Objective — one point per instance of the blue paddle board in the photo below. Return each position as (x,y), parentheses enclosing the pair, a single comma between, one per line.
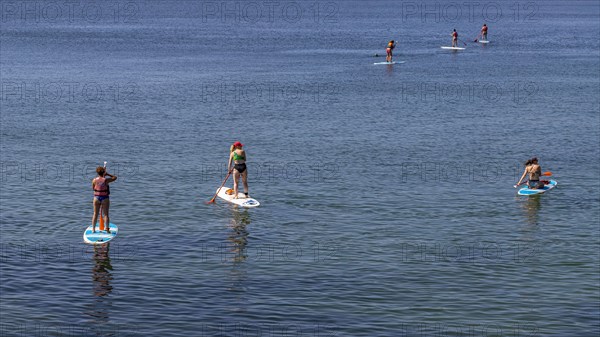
(100,236)
(530,191)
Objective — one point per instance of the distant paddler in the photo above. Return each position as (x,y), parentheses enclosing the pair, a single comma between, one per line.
(484,31)
(482,34)
(389,50)
(454,38)
(237,156)
(101,196)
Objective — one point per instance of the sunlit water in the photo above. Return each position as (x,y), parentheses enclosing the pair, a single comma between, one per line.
(387,200)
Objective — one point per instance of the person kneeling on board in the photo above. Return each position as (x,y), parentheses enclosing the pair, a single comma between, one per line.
(238,157)
(535,171)
(101,194)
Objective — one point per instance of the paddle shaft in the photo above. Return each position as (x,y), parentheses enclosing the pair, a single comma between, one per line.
(223,184)
(101,227)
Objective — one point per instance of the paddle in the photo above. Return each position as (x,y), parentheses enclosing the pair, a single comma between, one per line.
(101,227)
(462,42)
(545,174)
(477,38)
(223,184)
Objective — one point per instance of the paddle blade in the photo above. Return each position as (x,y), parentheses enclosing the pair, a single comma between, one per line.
(101,222)
(547,173)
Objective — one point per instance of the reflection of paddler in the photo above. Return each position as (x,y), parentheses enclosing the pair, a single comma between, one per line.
(532,207)
(101,303)
(239,235)
(101,271)
(237,255)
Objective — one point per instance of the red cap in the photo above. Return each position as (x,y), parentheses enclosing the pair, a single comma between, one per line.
(236,144)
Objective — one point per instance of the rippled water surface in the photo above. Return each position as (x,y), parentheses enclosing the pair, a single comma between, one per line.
(387,199)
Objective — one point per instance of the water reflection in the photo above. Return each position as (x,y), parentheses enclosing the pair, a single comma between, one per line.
(238,235)
(237,247)
(531,207)
(99,310)
(389,69)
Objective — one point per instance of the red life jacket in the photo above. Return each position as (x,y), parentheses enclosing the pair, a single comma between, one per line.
(455,34)
(101,188)
(484,28)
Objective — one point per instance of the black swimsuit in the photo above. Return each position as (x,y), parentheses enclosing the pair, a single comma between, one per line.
(240,167)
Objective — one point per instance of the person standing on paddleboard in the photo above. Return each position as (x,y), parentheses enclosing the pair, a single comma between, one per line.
(534,170)
(238,157)
(390,47)
(101,193)
(484,30)
(454,39)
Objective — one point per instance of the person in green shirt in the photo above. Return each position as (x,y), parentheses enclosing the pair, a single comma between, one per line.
(237,156)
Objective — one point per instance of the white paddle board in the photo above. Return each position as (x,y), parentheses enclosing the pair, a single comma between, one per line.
(394,62)
(100,236)
(453,48)
(529,191)
(226,194)
(484,41)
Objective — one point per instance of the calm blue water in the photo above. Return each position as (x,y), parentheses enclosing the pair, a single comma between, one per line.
(386,191)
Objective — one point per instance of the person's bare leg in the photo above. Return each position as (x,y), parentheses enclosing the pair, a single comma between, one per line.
(236,177)
(96,205)
(105,206)
(245,182)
